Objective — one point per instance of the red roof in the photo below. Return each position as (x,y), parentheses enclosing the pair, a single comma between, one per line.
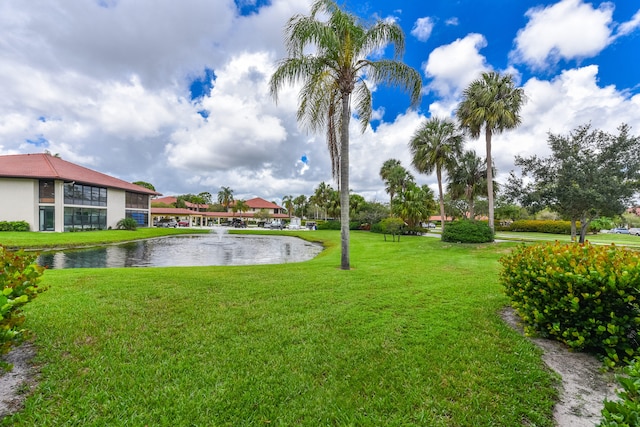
(171,200)
(46,166)
(259,203)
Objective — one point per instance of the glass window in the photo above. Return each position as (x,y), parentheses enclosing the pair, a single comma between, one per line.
(47,191)
(137,200)
(85,219)
(141,217)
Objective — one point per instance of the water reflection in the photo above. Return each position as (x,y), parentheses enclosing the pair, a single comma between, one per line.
(196,250)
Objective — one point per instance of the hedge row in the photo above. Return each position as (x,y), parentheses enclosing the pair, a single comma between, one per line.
(14,226)
(583,295)
(544,226)
(19,277)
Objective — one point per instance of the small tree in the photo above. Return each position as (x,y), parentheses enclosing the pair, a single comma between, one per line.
(393,226)
(589,174)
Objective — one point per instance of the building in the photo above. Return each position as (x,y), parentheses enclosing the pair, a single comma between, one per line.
(198,215)
(52,194)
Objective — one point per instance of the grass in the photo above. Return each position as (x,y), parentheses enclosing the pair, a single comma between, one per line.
(26,240)
(411,336)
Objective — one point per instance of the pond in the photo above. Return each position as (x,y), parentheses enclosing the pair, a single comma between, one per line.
(186,251)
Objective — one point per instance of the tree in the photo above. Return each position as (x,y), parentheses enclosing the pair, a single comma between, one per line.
(145,185)
(491,103)
(414,205)
(468,180)
(589,174)
(333,76)
(436,145)
(396,178)
(287,201)
(321,196)
(240,206)
(206,197)
(300,205)
(356,204)
(225,197)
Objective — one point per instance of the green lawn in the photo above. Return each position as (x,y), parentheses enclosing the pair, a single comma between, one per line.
(410,336)
(33,240)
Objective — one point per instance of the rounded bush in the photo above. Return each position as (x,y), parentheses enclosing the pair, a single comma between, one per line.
(127,224)
(467,231)
(583,295)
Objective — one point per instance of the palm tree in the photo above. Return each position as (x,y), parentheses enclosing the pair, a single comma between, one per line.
(300,204)
(287,201)
(492,102)
(468,179)
(435,145)
(334,75)
(240,206)
(414,205)
(225,197)
(395,177)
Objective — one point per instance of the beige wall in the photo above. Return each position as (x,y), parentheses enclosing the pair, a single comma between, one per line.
(19,201)
(115,206)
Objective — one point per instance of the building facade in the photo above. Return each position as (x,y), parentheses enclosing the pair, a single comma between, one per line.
(52,194)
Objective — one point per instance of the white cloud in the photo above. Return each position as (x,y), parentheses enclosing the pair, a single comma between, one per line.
(560,105)
(569,29)
(453,66)
(422,28)
(629,26)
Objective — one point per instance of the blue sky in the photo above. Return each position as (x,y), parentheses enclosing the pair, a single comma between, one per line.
(176,93)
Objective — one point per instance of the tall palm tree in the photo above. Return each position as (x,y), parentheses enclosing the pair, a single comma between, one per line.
(436,144)
(334,75)
(287,201)
(225,197)
(492,102)
(396,178)
(468,179)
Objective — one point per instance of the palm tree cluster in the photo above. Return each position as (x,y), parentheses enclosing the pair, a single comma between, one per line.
(330,53)
(492,103)
(407,200)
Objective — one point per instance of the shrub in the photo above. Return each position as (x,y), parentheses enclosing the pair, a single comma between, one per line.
(583,295)
(19,277)
(467,231)
(545,226)
(127,224)
(328,225)
(393,226)
(626,411)
(14,226)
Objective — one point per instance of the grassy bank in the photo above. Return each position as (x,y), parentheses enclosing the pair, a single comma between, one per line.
(26,240)
(411,336)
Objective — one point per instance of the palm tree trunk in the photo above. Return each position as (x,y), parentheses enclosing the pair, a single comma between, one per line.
(440,197)
(344,183)
(490,179)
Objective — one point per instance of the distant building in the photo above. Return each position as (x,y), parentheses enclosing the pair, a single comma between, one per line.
(198,215)
(52,194)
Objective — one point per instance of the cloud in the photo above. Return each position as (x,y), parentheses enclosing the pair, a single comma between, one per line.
(560,105)
(569,29)
(422,28)
(629,26)
(453,66)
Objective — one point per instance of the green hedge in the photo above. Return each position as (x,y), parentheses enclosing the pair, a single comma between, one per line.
(19,277)
(544,226)
(14,226)
(335,225)
(583,295)
(624,412)
(466,231)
